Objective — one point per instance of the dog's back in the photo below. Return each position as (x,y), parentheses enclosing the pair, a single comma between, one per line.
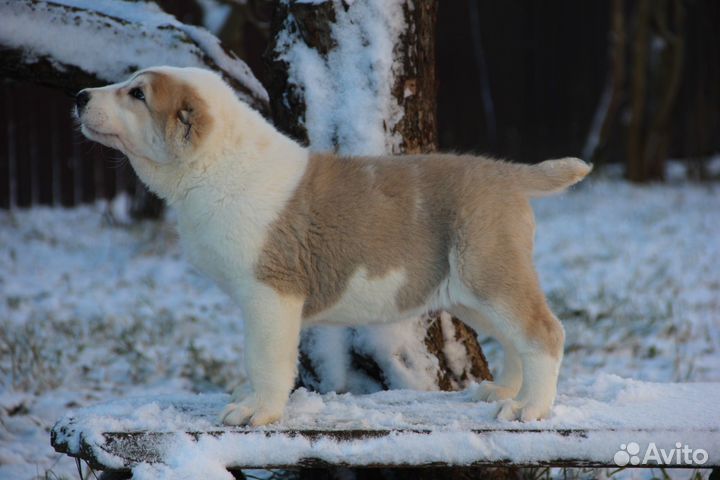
(390,227)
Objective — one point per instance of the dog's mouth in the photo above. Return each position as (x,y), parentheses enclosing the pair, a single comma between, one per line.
(96,134)
(111,140)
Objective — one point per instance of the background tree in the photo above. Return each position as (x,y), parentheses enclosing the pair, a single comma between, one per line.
(647,57)
(359,79)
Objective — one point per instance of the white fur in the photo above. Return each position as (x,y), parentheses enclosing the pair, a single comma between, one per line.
(367,300)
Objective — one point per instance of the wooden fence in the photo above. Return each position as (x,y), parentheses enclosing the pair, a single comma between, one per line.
(44,160)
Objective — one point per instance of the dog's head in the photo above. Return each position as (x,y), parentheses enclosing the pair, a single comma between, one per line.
(160,117)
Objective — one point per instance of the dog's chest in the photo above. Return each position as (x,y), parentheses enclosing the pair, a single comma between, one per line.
(220,245)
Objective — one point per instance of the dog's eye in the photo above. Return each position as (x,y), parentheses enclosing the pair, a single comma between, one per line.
(137,93)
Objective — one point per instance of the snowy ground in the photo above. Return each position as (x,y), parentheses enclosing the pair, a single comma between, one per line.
(92,310)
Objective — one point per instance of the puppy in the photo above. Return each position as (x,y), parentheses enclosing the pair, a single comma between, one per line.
(299,239)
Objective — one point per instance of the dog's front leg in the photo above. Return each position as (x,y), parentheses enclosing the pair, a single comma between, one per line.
(272,331)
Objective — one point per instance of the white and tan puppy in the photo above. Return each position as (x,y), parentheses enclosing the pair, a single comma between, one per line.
(300,239)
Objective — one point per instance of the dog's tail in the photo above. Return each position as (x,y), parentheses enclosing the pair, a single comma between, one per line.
(552,176)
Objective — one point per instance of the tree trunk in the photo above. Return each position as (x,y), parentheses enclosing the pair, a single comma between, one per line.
(636,131)
(646,76)
(352,79)
(655,85)
(669,23)
(613,97)
(332,69)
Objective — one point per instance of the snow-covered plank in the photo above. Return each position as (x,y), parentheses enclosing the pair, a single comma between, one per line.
(591,423)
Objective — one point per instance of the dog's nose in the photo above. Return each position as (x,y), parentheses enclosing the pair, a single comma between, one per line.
(81,99)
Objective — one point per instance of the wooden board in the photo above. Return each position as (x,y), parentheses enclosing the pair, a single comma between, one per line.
(397,429)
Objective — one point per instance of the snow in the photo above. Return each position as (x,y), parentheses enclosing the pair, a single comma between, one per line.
(91,38)
(453,350)
(604,401)
(331,360)
(603,411)
(641,267)
(92,310)
(349,104)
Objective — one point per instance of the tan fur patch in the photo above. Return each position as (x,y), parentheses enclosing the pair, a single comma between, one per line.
(379,214)
(178,109)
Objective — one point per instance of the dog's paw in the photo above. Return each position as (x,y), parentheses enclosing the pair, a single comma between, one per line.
(525,411)
(248,412)
(492,392)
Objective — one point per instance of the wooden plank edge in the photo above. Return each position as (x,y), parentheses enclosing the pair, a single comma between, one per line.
(116,440)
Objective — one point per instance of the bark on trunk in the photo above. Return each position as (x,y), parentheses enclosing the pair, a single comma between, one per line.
(636,130)
(669,22)
(415,88)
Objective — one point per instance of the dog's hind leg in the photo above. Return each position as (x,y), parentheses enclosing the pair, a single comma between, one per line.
(532,341)
(495,268)
(539,345)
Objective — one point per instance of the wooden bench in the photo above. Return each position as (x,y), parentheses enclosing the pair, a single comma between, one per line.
(403,429)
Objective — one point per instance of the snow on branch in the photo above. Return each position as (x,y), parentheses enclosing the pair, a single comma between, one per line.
(71,44)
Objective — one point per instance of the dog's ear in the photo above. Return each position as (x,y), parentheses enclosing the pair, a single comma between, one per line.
(185,117)
(180,112)
(192,117)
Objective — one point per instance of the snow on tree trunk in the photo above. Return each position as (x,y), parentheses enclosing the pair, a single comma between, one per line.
(73,44)
(358,78)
